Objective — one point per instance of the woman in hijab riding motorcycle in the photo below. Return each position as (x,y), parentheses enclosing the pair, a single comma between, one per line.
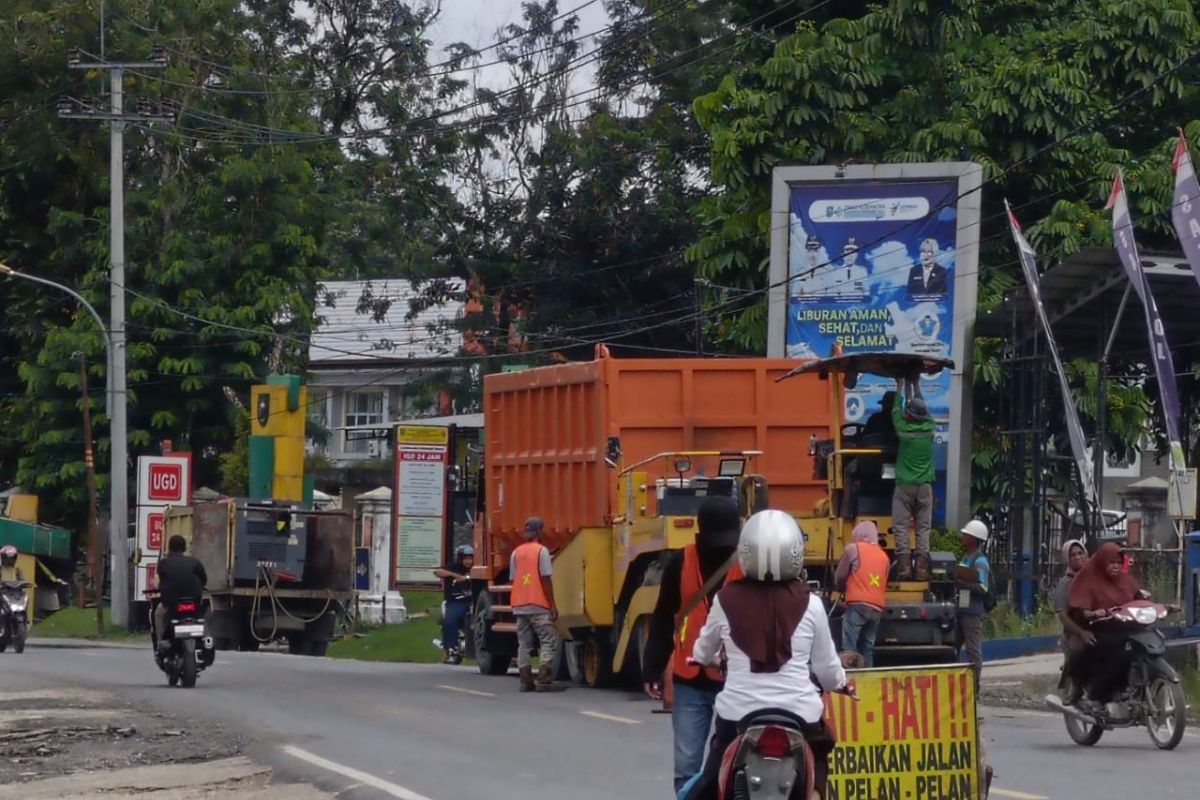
(775,638)
(1098,587)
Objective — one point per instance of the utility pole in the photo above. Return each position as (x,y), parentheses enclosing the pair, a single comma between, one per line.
(116,116)
(95,551)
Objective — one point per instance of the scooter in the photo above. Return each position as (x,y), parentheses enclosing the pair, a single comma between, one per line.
(184,651)
(14,616)
(1152,697)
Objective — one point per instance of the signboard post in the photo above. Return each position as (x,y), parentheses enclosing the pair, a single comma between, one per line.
(914,733)
(162,481)
(883,258)
(419,503)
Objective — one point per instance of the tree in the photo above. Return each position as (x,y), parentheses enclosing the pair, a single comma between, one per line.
(1049,97)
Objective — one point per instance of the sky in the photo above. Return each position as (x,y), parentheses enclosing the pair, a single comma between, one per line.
(476,21)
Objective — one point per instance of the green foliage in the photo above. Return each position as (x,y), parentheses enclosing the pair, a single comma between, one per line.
(946,540)
(1003,622)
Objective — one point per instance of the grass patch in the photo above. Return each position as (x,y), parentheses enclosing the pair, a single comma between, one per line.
(1003,622)
(80,623)
(1191,686)
(410,642)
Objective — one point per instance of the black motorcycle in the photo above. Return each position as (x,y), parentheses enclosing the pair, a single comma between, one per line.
(14,615)
(185,649)
(1152,697)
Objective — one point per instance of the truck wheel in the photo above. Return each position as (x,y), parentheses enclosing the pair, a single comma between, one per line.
(298,644)
(318,647)
(597,662)
(490,662)
(573,658)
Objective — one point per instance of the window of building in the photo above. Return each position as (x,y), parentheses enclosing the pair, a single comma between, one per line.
(362,409)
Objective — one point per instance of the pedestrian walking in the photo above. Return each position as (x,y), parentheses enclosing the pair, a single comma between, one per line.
(691,578)
(912,500)
(861,576)
(535,610)
(973,579)
(456,596)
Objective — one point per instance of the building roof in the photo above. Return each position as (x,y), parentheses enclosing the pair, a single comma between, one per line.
(1151,484)
(1082,295)
(354,326)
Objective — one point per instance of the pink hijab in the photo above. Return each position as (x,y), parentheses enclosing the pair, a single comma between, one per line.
(865,532)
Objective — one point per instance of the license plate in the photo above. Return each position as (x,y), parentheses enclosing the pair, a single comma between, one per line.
(188,631)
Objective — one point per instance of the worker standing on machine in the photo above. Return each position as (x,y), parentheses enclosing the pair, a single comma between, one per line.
(912,501)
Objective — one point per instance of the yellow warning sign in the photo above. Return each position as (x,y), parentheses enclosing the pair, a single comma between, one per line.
(912,735)
(422,434)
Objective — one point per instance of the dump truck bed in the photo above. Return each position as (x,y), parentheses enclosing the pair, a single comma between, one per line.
(546,433)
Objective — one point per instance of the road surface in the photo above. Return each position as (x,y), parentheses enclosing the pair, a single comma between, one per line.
(421,732)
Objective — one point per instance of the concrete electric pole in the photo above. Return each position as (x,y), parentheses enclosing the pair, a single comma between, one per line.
(118,119)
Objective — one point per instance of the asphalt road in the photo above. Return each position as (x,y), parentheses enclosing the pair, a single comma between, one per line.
(439,733)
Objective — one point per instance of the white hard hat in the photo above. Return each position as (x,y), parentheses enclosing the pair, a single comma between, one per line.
(977,529)
(771,547)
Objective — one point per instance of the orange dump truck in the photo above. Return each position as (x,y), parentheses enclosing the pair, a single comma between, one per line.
(617,456)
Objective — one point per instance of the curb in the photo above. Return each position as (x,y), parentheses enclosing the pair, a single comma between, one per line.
(86,644)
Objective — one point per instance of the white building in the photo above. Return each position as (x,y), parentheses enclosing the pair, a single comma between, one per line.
(373,361)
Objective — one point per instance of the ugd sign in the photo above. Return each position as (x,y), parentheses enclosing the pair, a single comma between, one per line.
(163,481)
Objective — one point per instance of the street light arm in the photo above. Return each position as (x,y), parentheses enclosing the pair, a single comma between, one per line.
(7,270)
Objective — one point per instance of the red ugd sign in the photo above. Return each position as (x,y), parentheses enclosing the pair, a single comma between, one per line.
(163,480)
(166,482)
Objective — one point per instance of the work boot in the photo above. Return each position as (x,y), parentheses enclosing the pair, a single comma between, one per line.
(904,570)
(921,560)
(545,681)
(527,684)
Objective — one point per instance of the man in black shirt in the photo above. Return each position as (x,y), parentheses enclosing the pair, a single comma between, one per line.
(179,577)
(456,591)
(695,688)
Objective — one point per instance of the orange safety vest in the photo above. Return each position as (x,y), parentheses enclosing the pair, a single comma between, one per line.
(690,582)
(868,584)
(527,580)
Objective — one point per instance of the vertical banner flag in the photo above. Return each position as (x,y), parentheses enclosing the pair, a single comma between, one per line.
(1160,352)
(1185,210)
(1074,429)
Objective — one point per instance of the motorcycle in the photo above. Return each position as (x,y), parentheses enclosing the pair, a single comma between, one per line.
(14,615)
(769,758)
(1152,697)
(188,650)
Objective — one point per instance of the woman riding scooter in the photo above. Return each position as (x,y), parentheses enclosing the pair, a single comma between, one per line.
(1100,586)
(775,637)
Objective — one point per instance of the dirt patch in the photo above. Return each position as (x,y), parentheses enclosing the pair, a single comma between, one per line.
(48,733)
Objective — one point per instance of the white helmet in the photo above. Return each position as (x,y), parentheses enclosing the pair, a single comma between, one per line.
(771,547)
(977,529)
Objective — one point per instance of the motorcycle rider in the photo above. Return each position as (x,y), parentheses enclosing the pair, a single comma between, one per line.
(1100,586)
(456,591)
(776,638)
(179,576)
(669,641)
(1075,636)
(9,571)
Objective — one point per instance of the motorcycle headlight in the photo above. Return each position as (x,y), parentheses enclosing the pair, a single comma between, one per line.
(1145,615)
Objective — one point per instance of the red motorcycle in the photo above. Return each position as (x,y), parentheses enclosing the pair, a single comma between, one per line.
(1152,696)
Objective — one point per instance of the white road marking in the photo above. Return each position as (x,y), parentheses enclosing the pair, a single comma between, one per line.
(1017,795)
(611,718)
(364,778)
(475,692)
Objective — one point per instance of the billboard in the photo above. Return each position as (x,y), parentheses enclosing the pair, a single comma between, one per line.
(419,503)
(883,258)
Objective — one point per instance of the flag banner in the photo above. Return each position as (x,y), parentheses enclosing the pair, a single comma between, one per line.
(1185,210)
(1160,352)
(1079,448)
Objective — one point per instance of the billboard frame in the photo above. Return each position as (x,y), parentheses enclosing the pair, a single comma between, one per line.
(966,292)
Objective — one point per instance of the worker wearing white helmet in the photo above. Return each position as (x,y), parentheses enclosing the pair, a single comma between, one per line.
(973,580)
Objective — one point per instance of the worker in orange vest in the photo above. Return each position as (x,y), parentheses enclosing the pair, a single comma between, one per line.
(533,606)
(672,633)
(862,578)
